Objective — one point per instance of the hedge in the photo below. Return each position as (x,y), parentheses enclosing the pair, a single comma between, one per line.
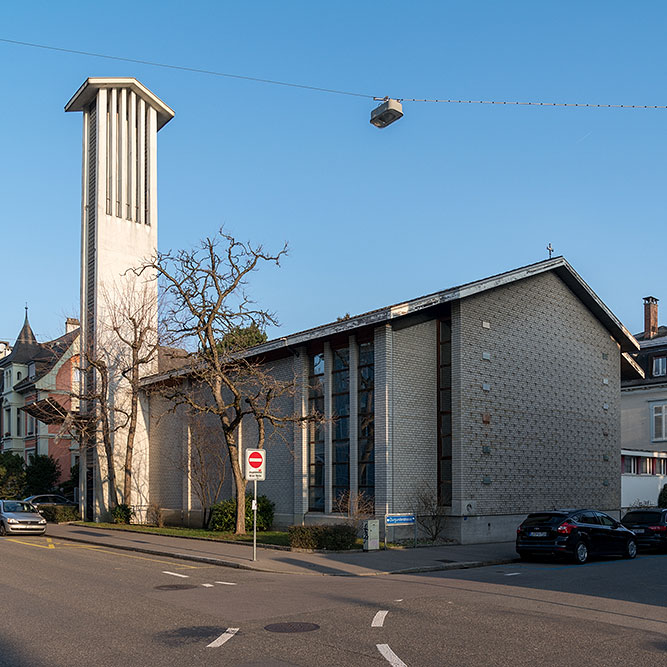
(223,515)
(334,537)
(59,514)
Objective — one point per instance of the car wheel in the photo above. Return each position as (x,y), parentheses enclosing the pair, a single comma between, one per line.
(580,553)
(3,530)
(630,549)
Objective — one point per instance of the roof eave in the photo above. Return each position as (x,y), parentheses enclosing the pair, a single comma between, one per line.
(86,94)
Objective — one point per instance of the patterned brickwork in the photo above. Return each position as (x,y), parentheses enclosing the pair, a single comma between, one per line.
(554,426)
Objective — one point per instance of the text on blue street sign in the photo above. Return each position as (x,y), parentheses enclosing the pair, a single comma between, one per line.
(400,519)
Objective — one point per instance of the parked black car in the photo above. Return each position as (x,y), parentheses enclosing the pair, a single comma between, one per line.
(577,534)
(649,525)
(50,500)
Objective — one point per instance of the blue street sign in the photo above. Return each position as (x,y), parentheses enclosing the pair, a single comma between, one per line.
(400,519)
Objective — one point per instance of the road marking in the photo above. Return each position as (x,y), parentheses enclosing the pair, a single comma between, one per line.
(224,637)
(32,544)
(176,574)
(50,543)
(512,574)
(399,600)
(207,585)
(390,656)
(378,620)
(226,583)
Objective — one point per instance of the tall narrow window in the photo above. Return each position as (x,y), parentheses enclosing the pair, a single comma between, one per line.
(445,412)
(340,397)
(659,366)
(366,435)
(316,435)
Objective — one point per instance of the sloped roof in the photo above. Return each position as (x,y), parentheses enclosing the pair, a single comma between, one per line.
(46,356)
(25,348)
(558,265)
(422,304)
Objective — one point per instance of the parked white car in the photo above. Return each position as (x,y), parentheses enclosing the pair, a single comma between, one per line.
(20,518)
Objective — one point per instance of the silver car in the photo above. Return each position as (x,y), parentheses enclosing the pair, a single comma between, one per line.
(20,518)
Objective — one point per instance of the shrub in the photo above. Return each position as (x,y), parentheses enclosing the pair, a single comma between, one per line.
(335,537)
(155,515)
(122,513)
(662,498)
(59,514)
(223,515)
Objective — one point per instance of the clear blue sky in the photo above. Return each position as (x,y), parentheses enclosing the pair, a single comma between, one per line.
(449,194)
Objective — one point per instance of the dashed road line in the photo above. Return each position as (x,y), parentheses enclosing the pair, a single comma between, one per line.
(378,619)
(512,574)
(224,637)
(176,574)
(390,656)
(226,583)
(399,600)
(207,585)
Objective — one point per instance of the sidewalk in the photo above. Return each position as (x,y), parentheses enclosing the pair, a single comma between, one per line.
(354,563)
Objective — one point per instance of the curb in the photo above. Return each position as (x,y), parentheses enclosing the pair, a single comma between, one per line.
(463,565)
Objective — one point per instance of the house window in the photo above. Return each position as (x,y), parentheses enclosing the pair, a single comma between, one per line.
(659,366)
(19,424)
(661,467)
(8,422)
(340,398)
(31,425)
(366,414)
(659,421)
(316,434)
(629,465)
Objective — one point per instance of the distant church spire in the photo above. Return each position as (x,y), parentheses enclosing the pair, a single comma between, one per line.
(26,336)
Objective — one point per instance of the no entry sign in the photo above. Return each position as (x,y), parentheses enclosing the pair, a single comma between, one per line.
(255,464)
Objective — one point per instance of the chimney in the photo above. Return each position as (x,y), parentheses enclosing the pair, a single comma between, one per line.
(650,317)
(71,323)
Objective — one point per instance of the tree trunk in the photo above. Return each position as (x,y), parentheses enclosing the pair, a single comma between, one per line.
(240,485)
(129,449)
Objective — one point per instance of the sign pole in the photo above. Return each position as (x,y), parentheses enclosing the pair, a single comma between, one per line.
(254,524)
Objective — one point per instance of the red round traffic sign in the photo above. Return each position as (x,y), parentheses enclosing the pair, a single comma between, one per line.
(255,460)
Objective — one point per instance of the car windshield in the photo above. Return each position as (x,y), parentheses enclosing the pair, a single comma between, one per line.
(647,518)
(544,519)
(17,506)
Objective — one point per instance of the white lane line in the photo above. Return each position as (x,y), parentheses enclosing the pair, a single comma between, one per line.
(513,574)
(207,585)
(399,600)
(226,583)
(175,574)
(378,620)
(390,656)
(224,637)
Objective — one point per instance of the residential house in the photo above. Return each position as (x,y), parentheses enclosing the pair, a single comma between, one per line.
(644,416)
(38,379)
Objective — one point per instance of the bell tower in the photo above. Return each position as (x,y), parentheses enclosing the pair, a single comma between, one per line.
(121,119)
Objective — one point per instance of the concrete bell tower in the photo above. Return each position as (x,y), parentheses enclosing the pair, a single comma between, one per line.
(121,119)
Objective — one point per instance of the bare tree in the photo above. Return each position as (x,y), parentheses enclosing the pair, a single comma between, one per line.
(132,334)
(125,349)
(206,306)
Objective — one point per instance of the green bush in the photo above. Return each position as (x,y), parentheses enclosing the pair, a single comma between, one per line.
(662,498)
(122,513)
(223,515)
(335,537)
(59,514)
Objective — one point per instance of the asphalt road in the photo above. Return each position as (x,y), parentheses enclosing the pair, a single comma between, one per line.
(68,604)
